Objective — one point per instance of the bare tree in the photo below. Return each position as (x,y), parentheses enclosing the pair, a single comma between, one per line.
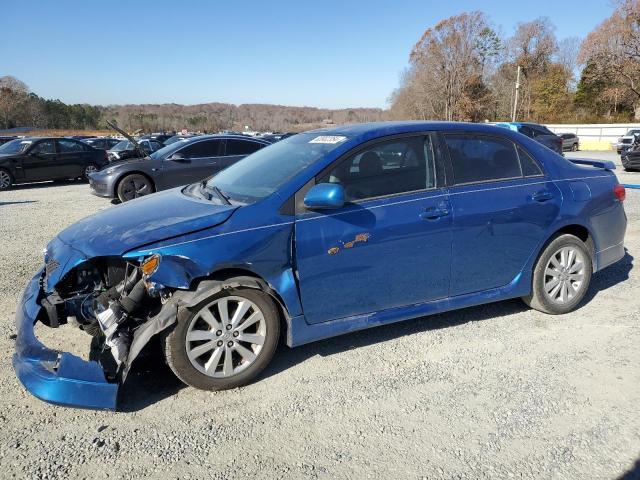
(612,50)
(12,93)
(443,63)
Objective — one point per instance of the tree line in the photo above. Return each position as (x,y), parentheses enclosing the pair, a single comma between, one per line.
(19,107)
(464,69)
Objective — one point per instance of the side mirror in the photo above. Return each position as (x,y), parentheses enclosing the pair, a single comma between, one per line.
(177,157)
(324,196)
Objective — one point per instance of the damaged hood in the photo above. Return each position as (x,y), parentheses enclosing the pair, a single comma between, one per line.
(148,219)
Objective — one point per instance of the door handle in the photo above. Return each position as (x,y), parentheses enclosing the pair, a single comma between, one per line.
(434,213)
(542,196)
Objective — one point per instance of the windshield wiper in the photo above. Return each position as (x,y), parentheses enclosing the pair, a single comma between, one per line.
(217,191)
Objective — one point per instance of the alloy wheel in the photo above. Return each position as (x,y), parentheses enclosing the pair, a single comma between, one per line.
(226,336)
(5,180)
(564,275)
(134,188)
(89,169)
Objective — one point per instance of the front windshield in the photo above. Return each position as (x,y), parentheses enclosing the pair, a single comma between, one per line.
(265,171)
(165,151)
(174,139)
(631,133)
(15,146)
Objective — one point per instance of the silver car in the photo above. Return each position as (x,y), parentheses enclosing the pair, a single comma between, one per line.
(180,163)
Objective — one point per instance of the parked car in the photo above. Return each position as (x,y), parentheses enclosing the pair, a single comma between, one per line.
(80,137)
(4,140)
(630,157)
(177,138)
(125,149)
(625,142)
(570,141)
(276,137)
(323,233)
(102,143)
(177,164)
(157,137)
(539,133)
(36,159)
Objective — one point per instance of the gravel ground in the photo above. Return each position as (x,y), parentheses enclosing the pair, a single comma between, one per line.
(497,391)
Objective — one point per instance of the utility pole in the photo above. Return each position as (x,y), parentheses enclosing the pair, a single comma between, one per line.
(515,101)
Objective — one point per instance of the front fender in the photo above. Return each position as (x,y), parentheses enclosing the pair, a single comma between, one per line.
(264,251)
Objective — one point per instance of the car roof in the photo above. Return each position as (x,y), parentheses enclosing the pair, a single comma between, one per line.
(376,129)
(222,136)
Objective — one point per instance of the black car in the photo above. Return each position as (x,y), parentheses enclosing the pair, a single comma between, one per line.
(102,143)
(180,163)
(127,149)
(35,159)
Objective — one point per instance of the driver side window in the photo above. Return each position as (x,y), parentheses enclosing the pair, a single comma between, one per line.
(386,168)
(44,147)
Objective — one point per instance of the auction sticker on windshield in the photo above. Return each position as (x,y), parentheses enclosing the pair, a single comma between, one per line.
(331,139)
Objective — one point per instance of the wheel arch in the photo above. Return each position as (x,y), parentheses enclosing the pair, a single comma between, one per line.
(577,230)
(230,277)
(116,183)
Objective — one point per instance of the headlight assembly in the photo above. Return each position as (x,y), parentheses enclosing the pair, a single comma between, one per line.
(150,264)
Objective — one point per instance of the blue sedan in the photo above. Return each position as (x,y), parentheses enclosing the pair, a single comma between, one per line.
(321,234)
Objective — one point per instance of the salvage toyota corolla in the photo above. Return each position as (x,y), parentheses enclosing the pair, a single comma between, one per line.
(321,234)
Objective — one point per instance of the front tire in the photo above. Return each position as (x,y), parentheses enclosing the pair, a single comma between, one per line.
(561,276)
(133,186)
(574,148)
(225,341)
(6,180)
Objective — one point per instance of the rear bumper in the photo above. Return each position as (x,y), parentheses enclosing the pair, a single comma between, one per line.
(56,377)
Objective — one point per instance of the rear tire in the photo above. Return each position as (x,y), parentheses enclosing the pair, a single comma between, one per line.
(133,186)
(211,350)
(6,179)
(89,169)
(561,276)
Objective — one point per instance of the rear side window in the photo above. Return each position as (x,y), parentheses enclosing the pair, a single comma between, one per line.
(205,148)
(386,168)
(242,147)
(526,131)
(46,146)
(530,167)
(70,146)
(482,159)
(539,130)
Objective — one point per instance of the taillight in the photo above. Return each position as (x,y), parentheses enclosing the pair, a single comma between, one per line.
(620,192)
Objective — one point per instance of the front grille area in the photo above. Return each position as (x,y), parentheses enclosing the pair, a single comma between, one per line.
(50,266)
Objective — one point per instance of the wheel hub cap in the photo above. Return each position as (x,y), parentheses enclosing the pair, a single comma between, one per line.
(225,336)
(564,275)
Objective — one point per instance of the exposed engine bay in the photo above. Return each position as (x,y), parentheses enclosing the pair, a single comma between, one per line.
(107,297)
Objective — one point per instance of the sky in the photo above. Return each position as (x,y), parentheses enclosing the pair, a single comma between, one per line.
(331,54)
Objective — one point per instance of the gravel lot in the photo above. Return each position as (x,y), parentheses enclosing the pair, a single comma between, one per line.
(496,391)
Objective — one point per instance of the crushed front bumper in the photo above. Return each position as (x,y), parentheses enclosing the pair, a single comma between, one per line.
(56,377)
